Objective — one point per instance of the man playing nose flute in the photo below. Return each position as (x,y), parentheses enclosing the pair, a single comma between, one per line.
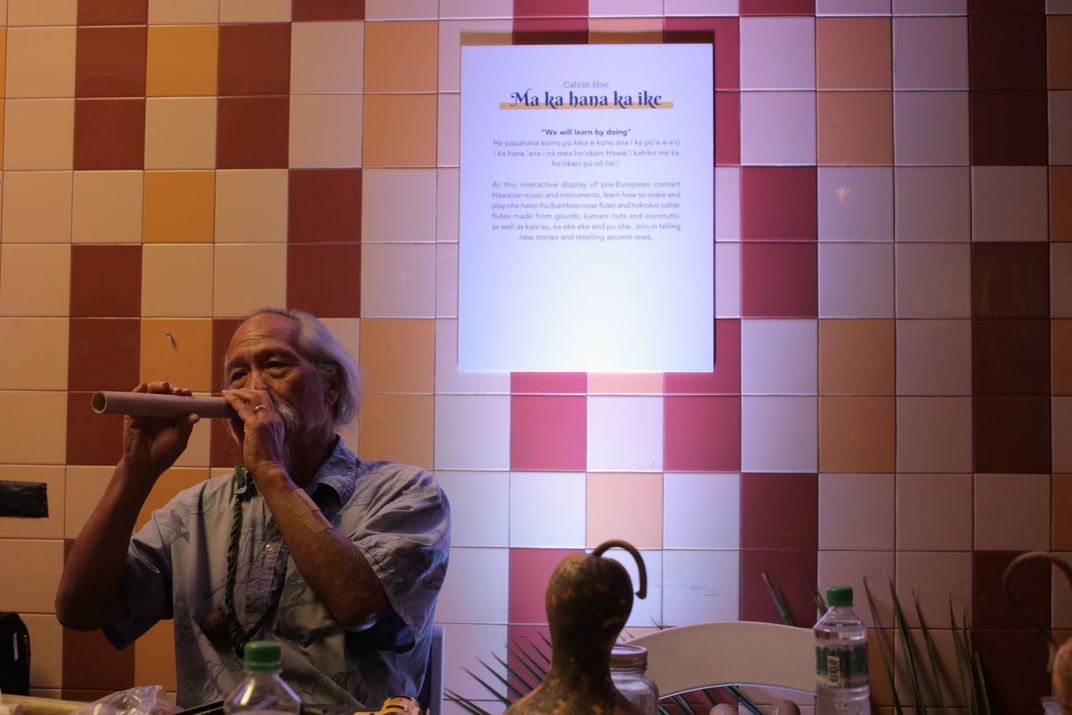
(338,559)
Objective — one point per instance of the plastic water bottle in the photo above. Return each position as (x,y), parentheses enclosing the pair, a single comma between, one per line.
(841,658)
(263,691)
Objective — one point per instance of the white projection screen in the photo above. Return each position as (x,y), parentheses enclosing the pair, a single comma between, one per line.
(586,209)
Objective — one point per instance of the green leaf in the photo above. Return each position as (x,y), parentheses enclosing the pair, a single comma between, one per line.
(964,669)
(779,603)
(887,660)
(932,654)
(538,672)
(491,689)
(817,599)
(744,700)
(464,703)
(526,686)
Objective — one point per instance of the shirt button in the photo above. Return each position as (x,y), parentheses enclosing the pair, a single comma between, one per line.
(269,548)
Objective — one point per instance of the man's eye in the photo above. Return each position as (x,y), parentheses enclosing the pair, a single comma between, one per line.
(237,375)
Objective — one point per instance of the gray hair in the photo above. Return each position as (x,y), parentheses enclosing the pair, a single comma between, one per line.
(319,346)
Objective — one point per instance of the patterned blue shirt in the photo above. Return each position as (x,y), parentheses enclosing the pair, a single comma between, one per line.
(395,514)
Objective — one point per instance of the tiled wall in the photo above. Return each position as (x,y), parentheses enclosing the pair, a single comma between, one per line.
(893,389)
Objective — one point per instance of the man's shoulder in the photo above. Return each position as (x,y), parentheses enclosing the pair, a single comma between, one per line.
(385,481)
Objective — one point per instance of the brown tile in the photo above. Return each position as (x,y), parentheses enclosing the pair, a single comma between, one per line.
(1030,584)
(90,662)
(324,205)
(92,438)
(1010,280)
(103,354)
(325,279)
(856,434)
(1011,357)
(222,330)
(791,572)
(110,62)
(105,281)
(109,134)
(1011,435)
(1008,127)
(309,10)
(253,132)
(1007,51)
(113,12)
(254,58)
(1015,665)
(779,511)
(551,31)
(387,69)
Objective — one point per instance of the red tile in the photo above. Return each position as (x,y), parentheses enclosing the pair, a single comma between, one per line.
(253,132)
(727,128)
(1008,128)
(324,205)
(1011,356)
(551,31)
(103,354)
(548,433)
(310,10)
(105,281)
(792,189)
(550,8)
(109,134)
(1011,280)
(325,279)
(548,383)
(1007,51)
(701,434)
(791,572)
(1011,434)
(779,280)
(1030,585)
(222,330)
(777,7)
(531,641)
(1006,7)
(110,62)
(113,12)
(779,511)
(723,32)
(90,662)
(254,58)
(91,438)
(1015,665)
(726,377)
(530,570)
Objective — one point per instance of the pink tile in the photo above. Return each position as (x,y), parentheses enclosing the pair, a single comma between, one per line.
(779,128)
(625,383)
(1009,203)
(792,189)
(934,434)
(779,511)
(930,128)
(547,433)
(725,378)
(469,642)
(938,578)
(548,383)
(479,507)
(530,569)
(1012,512)
(460,603)
(933,280)
(728,203)
(930,7)
(547,510)
(933,203)
(855,280)
(702,434)
(728,280)
(779,434)
(728,132)
(856,511)
(777,53)
(472,432)
(852,7)
(779,280)
(930,53)
(779,357)
(625,506)
(701,511)
(934,512)
(934,357)
(855,204)
(625,433)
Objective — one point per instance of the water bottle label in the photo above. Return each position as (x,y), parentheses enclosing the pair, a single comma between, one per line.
(841,666)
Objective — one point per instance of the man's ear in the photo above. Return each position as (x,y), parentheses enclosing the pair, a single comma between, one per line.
(333,378)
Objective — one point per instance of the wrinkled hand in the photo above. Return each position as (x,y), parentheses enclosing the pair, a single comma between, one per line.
(152,444)
(263,430)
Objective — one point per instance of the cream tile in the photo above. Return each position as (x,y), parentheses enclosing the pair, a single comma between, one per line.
(855,204)
(779,357)
(31,569)
(398,205)
(933,280)
(934,512)
(446,287)
(468,643)
(934,357)
(40,62)
(42,12)
(472,432)
(449,380)
(325,130)
(1012,512)
(398,280)
(401,9)
(856,512)
(35,280)
(265,264)
(856,280)
(107,207)
(727,203)
(37,207)
(180,133)
(176,280)
(778,128)
(938,578)
(791,67)
(779,434)
(33,427)
(701,511)
(547,510)
(448,130)
(327,57)
(475,8)
(46,639)
(169,12)
(701,586)
(933,203)
(254,10)
(448,190)
(177,349)
(850,568)
(251,206)
(934,434)
(50,527)
(197,449)
(38,134)
(85,486)
(460,603)
(1009,203)
(479,507)
(34,355)
(625,433)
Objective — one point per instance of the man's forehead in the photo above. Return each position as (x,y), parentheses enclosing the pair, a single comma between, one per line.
(263,329)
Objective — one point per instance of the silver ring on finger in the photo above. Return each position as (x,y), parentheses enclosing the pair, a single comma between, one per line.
(260,408)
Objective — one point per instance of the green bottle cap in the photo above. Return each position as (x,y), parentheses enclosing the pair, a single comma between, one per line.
(262,656)
(839,596)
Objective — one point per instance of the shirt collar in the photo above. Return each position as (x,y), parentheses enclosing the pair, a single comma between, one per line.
(338,474)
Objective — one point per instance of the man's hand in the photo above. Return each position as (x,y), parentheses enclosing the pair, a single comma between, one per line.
(152,444)
(264,429)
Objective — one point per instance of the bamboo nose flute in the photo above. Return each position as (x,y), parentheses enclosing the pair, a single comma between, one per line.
(146,404)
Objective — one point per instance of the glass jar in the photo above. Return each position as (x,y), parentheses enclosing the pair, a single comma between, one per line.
(628,666)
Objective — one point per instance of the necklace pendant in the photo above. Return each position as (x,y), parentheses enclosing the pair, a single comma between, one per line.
(214,625)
